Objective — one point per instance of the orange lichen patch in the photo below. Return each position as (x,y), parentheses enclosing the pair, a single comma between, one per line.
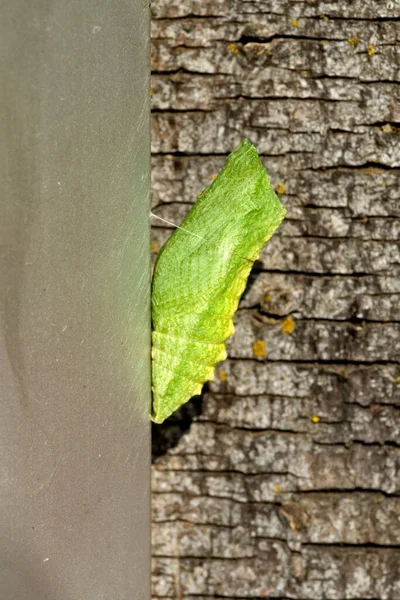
(288,325)
(294,22)
(154,247)
(315,419)
(353,41)
(280,188)
(387,128)
(371,50)
(233,48)
(277,489)
(222,375)
(259,349)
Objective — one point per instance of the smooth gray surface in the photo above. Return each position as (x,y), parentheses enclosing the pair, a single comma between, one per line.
(75,316)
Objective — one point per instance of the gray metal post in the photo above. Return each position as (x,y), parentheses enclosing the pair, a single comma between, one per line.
(74,309)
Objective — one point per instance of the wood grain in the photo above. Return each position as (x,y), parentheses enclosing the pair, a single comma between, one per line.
(287,483)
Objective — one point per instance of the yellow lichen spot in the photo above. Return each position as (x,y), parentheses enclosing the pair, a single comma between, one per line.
(387,128)
(324,17)
(277,489)
(213,177)
(154,247)
(259,349)
(294,22)
(152,90)
(222,375)
(267,298)
(398,379)
(288,325)
(371,50)
(353,41)
(315,419)
(280,188)
(233,48)
(377,500)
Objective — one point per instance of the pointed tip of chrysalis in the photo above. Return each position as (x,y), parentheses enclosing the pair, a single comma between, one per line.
(244,157)
(244,145)
(244,165)
(245,142)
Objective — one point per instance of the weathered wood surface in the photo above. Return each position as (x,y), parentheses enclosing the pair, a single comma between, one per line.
(287,484)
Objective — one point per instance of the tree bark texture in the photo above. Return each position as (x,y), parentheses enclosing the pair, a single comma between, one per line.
(287,483)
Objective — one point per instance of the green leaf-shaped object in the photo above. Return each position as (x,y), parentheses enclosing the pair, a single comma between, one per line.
(201,273)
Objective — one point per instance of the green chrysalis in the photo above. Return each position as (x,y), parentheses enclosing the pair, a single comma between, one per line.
(200,274)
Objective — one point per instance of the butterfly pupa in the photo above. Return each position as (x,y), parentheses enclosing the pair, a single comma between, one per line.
(198,279)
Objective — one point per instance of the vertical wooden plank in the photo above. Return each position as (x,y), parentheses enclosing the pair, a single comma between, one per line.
(75,310)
